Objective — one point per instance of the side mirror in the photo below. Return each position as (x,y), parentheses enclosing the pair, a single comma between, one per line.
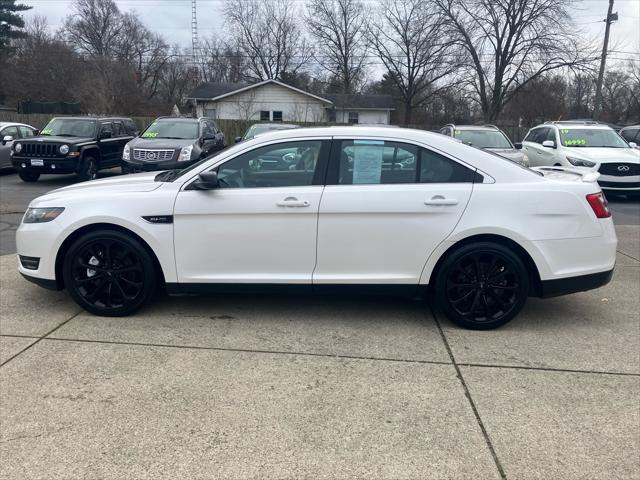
(105,135)
(206,181)
(36,133)
(7,138)
(549,144)
(238,139)
(633,144)
(518,145)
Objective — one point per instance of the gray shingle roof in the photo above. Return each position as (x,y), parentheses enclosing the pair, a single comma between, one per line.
(213,90)
(346,100)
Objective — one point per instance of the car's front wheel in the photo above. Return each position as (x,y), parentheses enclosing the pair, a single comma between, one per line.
(88,169)
(482,285)
(109,273)
(29,176)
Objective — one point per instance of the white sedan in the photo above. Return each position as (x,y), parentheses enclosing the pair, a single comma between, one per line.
(322,209)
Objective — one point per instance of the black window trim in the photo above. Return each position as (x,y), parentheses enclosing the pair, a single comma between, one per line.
(333,170)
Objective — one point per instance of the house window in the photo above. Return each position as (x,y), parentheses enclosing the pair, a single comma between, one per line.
(210,112)
(264,115)
(353,117)
(277,116)
(331,113)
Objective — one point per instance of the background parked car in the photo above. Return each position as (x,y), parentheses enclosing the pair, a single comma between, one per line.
(631,134)
(172,142)
(9,133)
(487,137)
(588,145)
(258,128)
(82,145)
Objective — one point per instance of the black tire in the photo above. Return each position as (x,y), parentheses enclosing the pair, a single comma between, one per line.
(481,286)
(109,273)
(88,169)
(28,176)
(125,169)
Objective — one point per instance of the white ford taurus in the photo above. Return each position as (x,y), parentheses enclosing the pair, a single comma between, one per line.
(392,210)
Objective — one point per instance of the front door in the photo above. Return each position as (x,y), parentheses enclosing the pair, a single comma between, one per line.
(386,207)
(5,147)
(260,226)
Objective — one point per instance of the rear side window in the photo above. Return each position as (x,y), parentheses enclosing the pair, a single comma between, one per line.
(26,132)
(631,134)
(381,162)
(130,127)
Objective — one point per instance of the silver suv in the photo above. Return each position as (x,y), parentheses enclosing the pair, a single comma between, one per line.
(487,137)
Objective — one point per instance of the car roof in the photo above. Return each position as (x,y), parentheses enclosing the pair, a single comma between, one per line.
(475,127)
(92,118)
(573,126)
(181,119)
(275,125)
(14,124)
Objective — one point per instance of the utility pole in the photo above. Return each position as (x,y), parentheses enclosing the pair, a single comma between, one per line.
(611,17)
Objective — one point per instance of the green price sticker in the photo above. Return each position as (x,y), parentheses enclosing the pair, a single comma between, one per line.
(46,131)
(149,134)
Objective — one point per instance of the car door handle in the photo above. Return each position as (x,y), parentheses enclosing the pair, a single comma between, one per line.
(439,200)
(292,202)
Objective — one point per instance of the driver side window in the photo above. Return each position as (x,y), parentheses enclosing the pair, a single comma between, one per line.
(279,165)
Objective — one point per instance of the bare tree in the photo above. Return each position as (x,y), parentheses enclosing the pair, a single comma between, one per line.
(509,43)
(221,62)
(339,28)
(94,26)
(413,45)
(268,35)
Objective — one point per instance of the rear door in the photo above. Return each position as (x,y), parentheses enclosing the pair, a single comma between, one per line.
(385,208)
(5,147)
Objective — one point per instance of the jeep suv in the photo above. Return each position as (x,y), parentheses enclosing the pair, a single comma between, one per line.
(81,145)
(487,137)
(587,145)
(172,143)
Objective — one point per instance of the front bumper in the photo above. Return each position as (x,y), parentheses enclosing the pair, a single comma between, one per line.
(622,184)
(136,166)
(50,165)
(39,241)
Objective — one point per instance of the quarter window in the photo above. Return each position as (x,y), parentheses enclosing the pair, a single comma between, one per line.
(281,165)
(436,168)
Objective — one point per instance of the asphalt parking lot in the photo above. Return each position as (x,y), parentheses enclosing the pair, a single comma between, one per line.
(245,386)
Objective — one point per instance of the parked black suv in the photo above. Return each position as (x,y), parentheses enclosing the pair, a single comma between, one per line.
(81,145)
(172,142)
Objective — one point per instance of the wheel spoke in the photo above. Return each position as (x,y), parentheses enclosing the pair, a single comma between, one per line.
(129,282)
(462,298)
(82,281)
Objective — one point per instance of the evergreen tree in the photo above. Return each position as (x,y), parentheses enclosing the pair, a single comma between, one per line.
(11,24)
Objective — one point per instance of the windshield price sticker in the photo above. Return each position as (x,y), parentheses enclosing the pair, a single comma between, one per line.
(46,131)
(149,134)
(576,141)
(367,161)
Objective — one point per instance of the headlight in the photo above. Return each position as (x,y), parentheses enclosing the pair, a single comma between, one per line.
(42,215)
(185,154)
(578,162)
(18,147)
(64,149)
(126,153)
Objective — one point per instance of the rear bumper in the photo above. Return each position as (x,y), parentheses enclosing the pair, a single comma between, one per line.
(564,286)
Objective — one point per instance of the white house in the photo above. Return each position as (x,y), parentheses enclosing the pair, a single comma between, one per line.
(275,101)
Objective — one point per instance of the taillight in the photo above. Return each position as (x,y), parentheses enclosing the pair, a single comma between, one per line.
(599,203)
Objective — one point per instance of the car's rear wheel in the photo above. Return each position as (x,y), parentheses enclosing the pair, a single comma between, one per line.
(482,285)
(88,169)
(28,176)
(109,273)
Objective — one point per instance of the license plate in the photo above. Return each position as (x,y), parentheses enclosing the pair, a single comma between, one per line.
(37,162)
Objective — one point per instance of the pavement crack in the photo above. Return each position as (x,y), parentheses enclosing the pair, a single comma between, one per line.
(41,338)
(467,394)
(628,256)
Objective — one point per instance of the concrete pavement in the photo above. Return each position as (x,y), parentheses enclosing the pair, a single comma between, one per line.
(243,386)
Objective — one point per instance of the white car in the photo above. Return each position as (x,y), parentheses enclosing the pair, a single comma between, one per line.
(332,208)
(587,145)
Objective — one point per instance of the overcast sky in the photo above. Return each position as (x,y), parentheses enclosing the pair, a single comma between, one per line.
(172,18)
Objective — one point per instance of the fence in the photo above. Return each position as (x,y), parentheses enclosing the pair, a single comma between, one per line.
(231,128)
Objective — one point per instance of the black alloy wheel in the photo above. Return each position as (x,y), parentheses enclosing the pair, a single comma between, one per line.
(482,286)
(109,273)
(89,169)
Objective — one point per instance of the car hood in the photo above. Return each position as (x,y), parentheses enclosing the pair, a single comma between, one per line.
(604,155)
(139,182)
(161,143)
(510,153)
(58,139)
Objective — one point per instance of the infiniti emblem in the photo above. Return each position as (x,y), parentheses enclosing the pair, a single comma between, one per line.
(623,168)
(151,155)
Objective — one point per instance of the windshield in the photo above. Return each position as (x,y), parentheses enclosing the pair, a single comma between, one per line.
(591,137)
(483,138)
(256,130)
(171,129)
(70,127)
